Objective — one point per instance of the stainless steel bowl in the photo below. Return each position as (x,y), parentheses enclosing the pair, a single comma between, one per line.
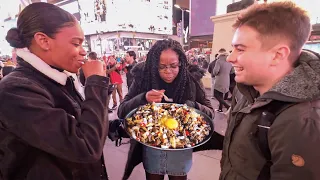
(205,116)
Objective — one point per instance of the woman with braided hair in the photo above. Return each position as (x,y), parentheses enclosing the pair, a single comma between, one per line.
(165,70)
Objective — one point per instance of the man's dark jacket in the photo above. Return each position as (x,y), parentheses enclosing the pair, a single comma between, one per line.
(129,74)
(294,136)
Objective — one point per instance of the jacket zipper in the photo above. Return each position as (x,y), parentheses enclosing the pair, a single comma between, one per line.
(236,123)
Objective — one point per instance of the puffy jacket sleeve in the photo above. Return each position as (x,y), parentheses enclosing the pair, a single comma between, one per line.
(294,142)
(28,111)
(216,141)
(132,100)
(204,104)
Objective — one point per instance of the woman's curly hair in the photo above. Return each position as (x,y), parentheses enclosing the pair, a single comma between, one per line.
(151,77)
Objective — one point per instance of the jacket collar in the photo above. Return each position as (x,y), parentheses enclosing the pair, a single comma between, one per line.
(44,68)
(248,91)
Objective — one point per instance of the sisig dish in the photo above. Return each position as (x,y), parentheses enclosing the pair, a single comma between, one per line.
(168,126)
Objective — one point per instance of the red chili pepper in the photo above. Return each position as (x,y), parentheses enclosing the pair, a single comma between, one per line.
(187,133)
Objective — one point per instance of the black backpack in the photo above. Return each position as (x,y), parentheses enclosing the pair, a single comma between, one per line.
(264,123)
(117,131)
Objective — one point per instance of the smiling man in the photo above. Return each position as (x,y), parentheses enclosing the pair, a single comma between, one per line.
(131,62)
(274,127)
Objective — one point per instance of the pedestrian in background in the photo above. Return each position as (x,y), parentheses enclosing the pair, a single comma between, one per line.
(113,70)
(130,60)
(221,73)
(210,70)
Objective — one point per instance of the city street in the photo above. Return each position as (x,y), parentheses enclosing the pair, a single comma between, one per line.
(206,164)
(57,57)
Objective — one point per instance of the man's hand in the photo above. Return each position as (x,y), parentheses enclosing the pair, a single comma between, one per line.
(93,68)
(154,96)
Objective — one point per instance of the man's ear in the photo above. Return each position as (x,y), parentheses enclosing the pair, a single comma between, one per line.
(281,53)
(42,40)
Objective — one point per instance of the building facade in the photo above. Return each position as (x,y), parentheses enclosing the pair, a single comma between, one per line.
(114,27)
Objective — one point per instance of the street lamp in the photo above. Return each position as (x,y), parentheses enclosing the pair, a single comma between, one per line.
(182,20)
(100,40)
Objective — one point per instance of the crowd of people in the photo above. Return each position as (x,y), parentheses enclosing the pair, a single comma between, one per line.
(6,67)
(54,127)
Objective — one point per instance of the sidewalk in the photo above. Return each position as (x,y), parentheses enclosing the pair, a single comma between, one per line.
(206,164)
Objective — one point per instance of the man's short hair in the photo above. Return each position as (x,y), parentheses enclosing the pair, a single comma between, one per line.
(276,21)
(92,55)
(132,54)
(222,50)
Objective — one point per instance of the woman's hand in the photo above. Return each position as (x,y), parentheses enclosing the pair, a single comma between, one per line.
(93,68)
(154,96)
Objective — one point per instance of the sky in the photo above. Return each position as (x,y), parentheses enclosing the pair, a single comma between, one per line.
(8,7)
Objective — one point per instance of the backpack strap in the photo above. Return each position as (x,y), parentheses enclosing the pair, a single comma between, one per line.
(273,109)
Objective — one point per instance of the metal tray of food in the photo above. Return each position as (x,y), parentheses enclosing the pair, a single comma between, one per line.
(190,132)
